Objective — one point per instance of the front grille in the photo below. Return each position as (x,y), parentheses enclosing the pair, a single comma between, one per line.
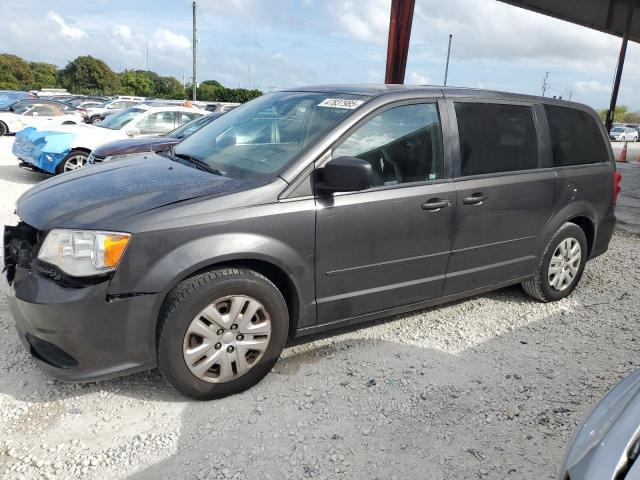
(21,245)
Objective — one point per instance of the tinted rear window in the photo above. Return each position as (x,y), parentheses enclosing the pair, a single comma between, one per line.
(575,137)
(496,138)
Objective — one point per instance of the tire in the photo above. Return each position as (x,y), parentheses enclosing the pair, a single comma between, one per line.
(71,161)
(69,123)
(95,120)
(186,304)
(3,129)
(540,287)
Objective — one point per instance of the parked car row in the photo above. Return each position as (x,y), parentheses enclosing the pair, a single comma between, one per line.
(120,149)
(67,147)
(19,114)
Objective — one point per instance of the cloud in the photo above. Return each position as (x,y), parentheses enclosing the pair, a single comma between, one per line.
(418,79)
(164,39)
(122,31)
(487,30)
(66,30)
(591,87)
(370,24)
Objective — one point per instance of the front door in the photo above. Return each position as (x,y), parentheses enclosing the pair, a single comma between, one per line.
(389,245)
(504,197)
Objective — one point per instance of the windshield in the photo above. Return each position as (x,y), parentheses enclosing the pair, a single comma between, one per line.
(191,127)
(259,139)
(119,120)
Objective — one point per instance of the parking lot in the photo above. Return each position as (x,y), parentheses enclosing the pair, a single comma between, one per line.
(491,387)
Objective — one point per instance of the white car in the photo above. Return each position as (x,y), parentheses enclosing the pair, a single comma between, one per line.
(35,114)
(623,134)
(95,113)
(66,148)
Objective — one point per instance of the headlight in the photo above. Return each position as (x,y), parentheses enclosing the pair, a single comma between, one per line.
(83,253)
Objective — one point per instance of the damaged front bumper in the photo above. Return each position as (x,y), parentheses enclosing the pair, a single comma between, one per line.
(76,332)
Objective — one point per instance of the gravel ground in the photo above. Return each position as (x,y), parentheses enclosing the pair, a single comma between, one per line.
(490,388)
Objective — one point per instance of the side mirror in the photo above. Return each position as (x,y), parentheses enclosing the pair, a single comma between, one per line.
(133,132)
(346,174)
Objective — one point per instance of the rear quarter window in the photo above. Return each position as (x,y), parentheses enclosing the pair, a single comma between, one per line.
(575,136)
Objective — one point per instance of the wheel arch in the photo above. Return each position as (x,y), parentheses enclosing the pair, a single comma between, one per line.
(285,267)
(6,127)
(588,227)
(273,273)
(580,213)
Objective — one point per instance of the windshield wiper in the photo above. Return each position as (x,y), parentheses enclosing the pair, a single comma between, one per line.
(198,163)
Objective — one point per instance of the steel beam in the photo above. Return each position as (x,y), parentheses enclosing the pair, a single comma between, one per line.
(623,52)
(399,35)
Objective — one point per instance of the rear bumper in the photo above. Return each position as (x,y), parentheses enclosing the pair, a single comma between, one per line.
(78,334)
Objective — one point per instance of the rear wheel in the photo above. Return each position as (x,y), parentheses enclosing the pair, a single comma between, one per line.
(3,129)
(561,265)
(95,120)
(73,161)
(221,332)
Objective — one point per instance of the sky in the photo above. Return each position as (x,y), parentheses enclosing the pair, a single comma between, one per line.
(288,43)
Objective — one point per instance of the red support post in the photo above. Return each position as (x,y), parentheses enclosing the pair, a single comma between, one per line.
(399,34)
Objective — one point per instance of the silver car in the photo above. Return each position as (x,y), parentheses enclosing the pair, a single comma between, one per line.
(623,134)
(607,444)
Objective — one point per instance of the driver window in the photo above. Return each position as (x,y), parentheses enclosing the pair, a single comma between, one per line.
(403,145)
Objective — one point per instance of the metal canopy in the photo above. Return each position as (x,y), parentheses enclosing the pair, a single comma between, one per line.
(608,16)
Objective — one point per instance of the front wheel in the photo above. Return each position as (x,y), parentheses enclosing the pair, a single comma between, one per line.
(561,265)
(3,129)
(73,161)
(221,332)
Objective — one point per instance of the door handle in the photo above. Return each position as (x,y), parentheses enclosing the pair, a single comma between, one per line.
(475,199)
(434,204)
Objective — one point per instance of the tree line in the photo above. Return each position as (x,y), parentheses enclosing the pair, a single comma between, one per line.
(90,75)
(622,114)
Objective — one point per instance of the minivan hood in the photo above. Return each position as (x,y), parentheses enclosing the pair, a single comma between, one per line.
(99,197)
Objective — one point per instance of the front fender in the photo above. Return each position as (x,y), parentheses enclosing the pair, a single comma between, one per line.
(164,273)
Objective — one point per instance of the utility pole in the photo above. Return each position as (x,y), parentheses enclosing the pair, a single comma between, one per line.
(249,72)
(147,55)
(193,78)
(446,69)
(570,95)
(545,85)
(616,82)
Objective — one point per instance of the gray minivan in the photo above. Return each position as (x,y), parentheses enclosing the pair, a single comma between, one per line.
(302,211)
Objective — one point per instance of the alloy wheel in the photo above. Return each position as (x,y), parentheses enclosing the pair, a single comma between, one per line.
(75,162)
(565,264)
(227,338)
